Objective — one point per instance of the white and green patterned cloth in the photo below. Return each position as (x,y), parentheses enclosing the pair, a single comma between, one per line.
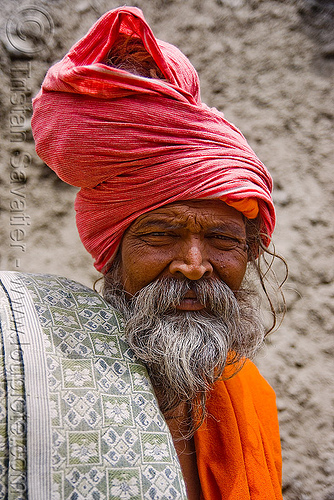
(78,416)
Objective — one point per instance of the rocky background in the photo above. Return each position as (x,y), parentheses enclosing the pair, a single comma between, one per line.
(269,65)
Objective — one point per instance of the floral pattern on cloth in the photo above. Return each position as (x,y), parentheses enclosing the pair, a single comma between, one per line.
(78,416)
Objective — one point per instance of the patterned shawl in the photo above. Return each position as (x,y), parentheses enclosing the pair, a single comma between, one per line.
(79,418)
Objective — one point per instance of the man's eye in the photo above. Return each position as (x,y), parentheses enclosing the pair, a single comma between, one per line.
(157,237)
(157,233)
(225,242)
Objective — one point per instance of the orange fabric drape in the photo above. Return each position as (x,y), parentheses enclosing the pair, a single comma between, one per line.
(238,446)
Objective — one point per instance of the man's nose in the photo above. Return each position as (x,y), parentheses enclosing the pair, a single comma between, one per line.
(191,260)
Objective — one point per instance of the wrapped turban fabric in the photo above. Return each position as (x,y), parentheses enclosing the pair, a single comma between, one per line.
(134,143)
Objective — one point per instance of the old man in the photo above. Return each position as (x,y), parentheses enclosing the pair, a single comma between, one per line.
(174,206)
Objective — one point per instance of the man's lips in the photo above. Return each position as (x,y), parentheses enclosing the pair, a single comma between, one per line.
(190,302)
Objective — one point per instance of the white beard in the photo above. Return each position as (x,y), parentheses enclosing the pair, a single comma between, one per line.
(186,351)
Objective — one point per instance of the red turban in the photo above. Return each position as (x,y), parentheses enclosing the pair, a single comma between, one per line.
(134,143)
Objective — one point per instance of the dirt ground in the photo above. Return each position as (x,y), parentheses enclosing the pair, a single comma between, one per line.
(269,65)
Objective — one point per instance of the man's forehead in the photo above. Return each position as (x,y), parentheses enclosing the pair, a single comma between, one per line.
(214,212)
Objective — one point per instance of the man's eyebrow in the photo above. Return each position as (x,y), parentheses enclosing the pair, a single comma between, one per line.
(171,223)
(165,223)
(230,227)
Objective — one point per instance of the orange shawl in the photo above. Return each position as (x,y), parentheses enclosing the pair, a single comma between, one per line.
(238,447)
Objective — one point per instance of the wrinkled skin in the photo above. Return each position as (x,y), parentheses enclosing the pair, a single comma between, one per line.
(191,239)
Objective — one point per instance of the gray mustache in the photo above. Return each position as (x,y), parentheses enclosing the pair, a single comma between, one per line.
(165,294)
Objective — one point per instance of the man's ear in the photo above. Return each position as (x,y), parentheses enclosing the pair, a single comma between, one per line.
(252,250)
(253,238)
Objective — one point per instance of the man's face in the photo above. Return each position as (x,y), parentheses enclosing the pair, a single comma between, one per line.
(192,239)
(177,281)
